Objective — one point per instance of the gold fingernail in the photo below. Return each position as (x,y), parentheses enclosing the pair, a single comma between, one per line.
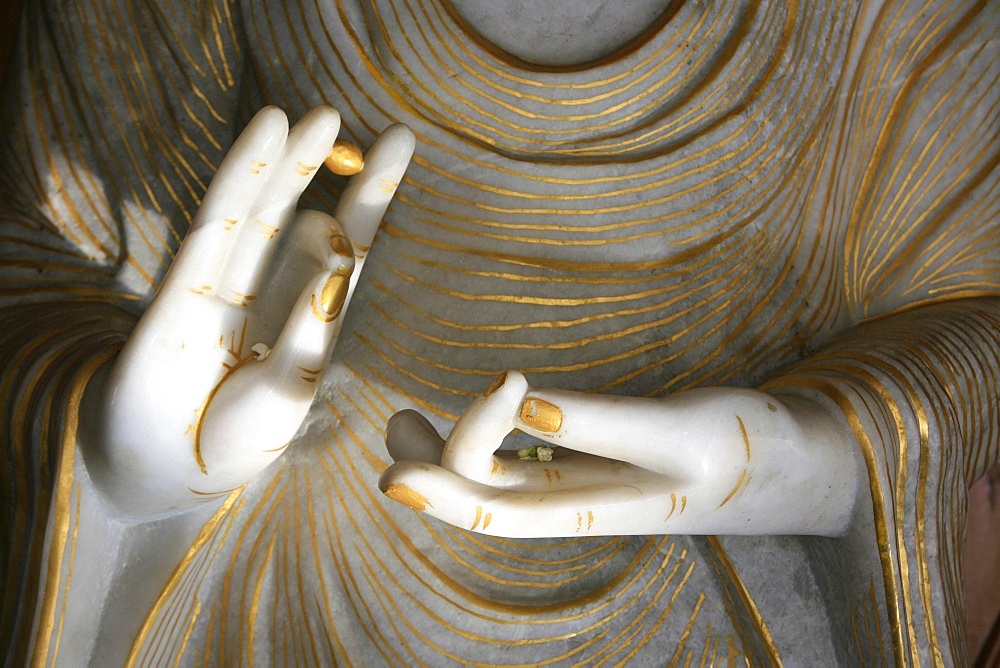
(331,299)
(341,245)
(406,496)
(496,384)
(541,415)
(345,158)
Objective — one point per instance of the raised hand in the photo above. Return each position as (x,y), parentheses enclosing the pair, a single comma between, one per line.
(221,370)
(707,461)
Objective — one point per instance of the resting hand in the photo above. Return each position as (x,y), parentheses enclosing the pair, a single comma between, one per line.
(220,371)
(707,461)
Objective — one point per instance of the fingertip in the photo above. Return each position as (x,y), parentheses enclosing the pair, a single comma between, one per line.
(509,386)
(324,118)
(402,138)
(271,119)
(409,436)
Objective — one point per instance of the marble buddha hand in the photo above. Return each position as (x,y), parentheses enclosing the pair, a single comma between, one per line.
(220,371)
(704,461)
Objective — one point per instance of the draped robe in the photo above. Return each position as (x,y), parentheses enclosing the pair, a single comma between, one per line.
(792,196)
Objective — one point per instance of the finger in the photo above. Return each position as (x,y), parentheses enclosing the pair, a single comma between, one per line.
(481,429)
(302,349)
(623,428)
(363,204)
(410,436)
(697,434)
(273,207)
(223,210)
(617,507)
(315,243)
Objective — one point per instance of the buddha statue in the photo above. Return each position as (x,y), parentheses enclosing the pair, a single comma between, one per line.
(683,319)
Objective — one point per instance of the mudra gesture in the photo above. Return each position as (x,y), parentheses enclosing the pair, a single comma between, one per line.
(706,207)
(705,461)
(220,371)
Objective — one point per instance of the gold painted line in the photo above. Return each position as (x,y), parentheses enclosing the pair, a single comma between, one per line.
(140,61)
(209,531)
(663,616)
(752,297)
(923,431)
(673,506)
(660,306)
(578,570)
(228,80)
(892,594)
(64,192)
(430,72)
(903,194)
(374,580)
(934,267)
(524,277)
(665,183)
(69,573)
(674,314)
(878,623)
(248,610)
(352,36)
(682,641)
(187,634)
(240,361)
(411,375)
(746,438)
(509,70)
(267,497)
(377,462)
(348,583)
(300,587)
(531,619)
(324,587)
(582,560)
(209,636)
(545,262)
(876,268)
(901,476)
(422,403)
(857,638)
(156,252)
(190,113)
(391,612)
(365,497)
(708,643)
(885,138)
(60,513)
(562,302)
(512,63)
(638,618)
(171,622)
(745,598)
(723,87)
(292,96)
(598,598)
(448,547)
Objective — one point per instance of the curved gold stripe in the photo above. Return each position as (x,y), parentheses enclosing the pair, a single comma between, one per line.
(43,639)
